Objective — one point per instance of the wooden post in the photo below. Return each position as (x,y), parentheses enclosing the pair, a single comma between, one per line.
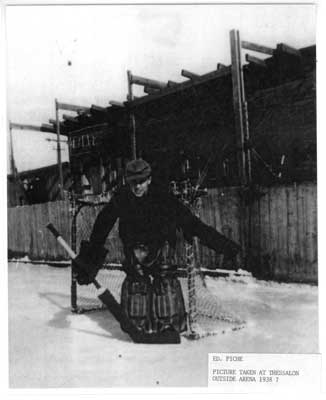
(132,118)
(242,137)
(12,158)
(237,103)
(59,149)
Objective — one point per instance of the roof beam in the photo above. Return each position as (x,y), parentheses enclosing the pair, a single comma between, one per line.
(257,47)
(138,80)
(255,60)
(284,48)
(98,109)
(183,85)
(72,107)
(150,90)
(189,75)
(116,103)
(48,128)
(172,83)
(220,66)
(25,127)
(69,118)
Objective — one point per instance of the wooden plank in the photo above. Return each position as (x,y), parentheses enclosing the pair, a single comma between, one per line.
(300,232)
(270,236)
(210,257)
(314,233)
(254,226)
(257,47)
(292,243)
(311,234)
(189,75)
(255,60)
(282,232)
(43,221)
(26,229)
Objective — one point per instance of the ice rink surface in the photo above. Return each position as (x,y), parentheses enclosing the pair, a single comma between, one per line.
(49,347)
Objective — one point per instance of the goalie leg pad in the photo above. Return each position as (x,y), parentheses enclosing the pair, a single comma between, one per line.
(168,303)
(135,301)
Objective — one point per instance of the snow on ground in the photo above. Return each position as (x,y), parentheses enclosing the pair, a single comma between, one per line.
(49,347)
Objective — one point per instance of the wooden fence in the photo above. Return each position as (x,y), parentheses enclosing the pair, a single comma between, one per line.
(27,233)
(282,235)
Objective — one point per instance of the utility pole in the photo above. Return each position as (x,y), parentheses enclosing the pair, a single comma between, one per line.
(242,138)
(240,110)
(59,150)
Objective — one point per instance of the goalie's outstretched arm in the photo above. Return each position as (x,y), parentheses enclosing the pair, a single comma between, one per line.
(92,253)
(104,223)
(192,226)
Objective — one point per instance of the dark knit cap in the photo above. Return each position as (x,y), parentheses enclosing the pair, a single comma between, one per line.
(137,170)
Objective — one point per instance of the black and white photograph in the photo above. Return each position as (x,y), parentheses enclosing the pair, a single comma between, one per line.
(161,192)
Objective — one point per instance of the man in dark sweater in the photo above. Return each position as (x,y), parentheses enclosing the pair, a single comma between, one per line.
(149,218)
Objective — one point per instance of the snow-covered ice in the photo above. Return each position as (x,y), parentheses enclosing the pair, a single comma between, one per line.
(51,347)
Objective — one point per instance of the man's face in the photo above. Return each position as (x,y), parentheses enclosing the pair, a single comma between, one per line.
(140,187)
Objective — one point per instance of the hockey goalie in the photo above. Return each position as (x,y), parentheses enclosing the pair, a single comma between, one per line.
(149,218)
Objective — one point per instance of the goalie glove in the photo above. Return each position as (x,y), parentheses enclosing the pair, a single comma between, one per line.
(88,262)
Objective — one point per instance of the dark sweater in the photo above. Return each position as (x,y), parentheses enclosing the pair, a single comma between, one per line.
(154,219)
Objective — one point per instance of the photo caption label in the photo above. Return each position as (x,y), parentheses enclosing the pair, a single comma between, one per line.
(241,372)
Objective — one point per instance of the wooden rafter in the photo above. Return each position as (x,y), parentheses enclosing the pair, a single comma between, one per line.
(69,118)
(98,109)
(48,128)
(172,83)
(183,85)
(72,107)
(284,48)
(220,66)
(189,75)
(150,90)
(116,103)
(138,80)
(255,60)
(25,127)
(257,47)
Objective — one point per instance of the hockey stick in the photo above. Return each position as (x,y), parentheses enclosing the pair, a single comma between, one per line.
(115,308)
